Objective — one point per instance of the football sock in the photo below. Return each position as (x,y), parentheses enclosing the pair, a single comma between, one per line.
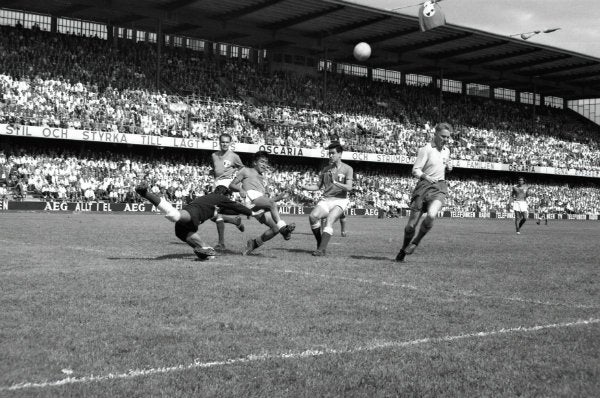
(316,230)
(409,233)
(324,241)
(153,198)
(221,230)
(258,242)
(171,213)
(426,226)
(521,222)
(281,224)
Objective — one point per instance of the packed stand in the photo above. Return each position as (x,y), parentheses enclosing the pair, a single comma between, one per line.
(56,174)
(87,83)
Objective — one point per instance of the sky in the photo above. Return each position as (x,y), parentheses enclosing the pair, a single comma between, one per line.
(579,20)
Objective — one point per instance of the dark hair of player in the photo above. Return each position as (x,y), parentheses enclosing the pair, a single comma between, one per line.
(337,146)
(222,190)
(261,155)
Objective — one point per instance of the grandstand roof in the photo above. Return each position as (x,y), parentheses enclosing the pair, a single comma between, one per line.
(333,27)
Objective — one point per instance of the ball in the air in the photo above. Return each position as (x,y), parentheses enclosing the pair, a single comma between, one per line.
(362,51)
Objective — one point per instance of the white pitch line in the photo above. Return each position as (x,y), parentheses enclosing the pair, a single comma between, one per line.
(422,289)
(292,355)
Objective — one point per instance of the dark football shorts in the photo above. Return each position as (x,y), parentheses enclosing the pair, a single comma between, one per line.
(183,228)
(426,192)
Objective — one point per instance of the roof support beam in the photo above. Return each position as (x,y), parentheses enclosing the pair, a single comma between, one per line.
(240,12)
(467,50)
(496,57)
(525,64)
(389,36)
(349,27)
(557,69)
(579,76)
(174,5)
(435,42)
(286,23)
(72,9)
(229,37)
(181,28)
(125,19)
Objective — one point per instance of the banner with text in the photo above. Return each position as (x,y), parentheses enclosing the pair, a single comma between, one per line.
(103,207)
(192,143)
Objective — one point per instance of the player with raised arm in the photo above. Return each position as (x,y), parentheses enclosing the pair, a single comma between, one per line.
(250,183)
(336,181)
(431,190)
(518,198)
(195,213)
(226,164)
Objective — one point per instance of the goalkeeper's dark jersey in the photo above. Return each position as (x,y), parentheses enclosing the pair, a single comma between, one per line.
(203,207)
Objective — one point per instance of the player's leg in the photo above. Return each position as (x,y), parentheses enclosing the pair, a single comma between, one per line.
(319,212)
(517,220)
(265,219)
(409,232)
(523,218)
(343,224)
(432,211)
(264,203)
(334,214)
(220,220)
(188,233)
(171,213)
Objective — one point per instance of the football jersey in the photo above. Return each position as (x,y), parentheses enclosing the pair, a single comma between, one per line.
(432,162)
(520,192)
(251,179)
(226,165)
(342,174)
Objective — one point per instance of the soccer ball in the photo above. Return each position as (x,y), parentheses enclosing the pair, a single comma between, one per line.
(362,51)
(429,9)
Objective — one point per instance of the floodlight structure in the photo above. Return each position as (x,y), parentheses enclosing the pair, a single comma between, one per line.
(528,35)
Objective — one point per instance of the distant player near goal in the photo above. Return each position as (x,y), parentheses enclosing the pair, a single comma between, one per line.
(543,210)
(431,190)
(226,164)
(518,198)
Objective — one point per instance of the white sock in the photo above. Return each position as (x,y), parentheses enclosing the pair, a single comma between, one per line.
(281,224)
(171,213)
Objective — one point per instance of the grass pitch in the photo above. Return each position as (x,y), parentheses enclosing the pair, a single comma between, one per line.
(115,305)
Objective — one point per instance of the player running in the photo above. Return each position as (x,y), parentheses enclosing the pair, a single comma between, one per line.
(431,191)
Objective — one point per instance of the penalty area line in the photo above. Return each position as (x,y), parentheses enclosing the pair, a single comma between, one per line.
(197,364)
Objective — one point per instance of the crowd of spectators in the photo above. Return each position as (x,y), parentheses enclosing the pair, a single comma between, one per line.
(73,81)
(58,174)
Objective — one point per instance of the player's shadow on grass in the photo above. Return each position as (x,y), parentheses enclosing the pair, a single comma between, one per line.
(309,251)
(378,258)
(174,256)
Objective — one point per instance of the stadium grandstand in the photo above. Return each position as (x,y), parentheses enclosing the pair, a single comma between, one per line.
(94,76)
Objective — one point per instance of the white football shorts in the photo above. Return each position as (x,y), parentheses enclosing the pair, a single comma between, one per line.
(520,205)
